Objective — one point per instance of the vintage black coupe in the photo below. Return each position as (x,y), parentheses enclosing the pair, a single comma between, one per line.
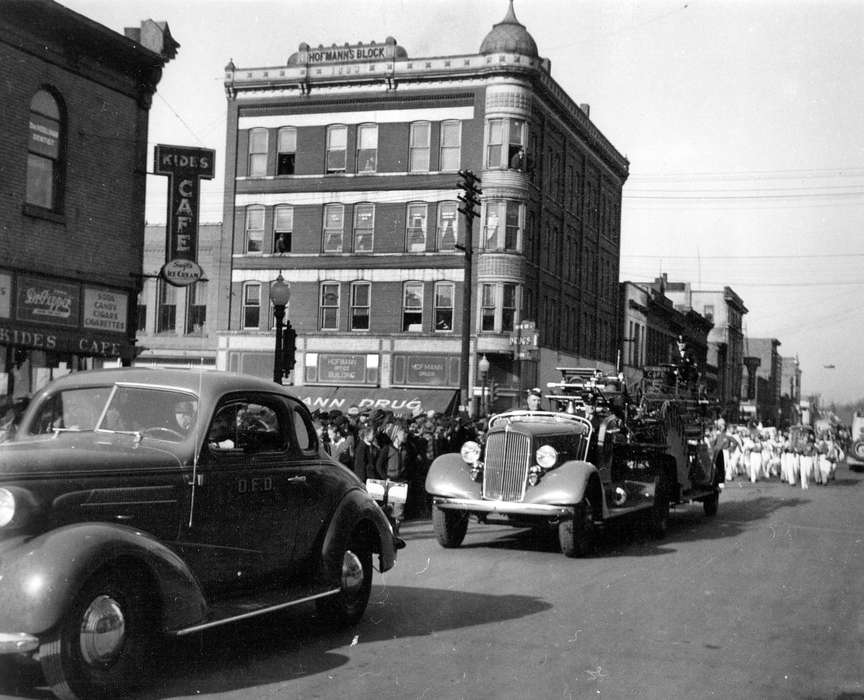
(136,503)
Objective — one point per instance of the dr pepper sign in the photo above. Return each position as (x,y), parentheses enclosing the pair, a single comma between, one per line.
(184,167)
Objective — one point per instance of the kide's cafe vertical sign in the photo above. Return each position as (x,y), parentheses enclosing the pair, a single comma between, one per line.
(185,167)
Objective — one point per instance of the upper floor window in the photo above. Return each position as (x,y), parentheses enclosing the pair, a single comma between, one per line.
(44,152)
(334,222)
(412,306)
(283,228)
(166,297)
(505,146)
(254,229)
(251,305)
(360,298)
(196,308)
(444,293)
(364,227)
(418,151)
(501,230)
(329,306)
(498,304)
(451,144)
(708,312)
(258,152)
(337,143)
(286,150)
(448,222)
(367,148)
(416,230)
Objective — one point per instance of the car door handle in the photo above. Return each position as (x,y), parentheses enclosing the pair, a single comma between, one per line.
(297,480)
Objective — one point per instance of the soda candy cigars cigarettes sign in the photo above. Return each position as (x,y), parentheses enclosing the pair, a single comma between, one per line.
(105,310)
(181,273)
(185,167)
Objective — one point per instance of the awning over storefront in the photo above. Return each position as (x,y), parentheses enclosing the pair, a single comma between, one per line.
(402,402)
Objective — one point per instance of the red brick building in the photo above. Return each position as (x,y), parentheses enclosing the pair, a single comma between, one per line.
(341,174)
(73,158)
(73,150)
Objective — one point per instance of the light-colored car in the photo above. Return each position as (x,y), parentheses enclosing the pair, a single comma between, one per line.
(855,453)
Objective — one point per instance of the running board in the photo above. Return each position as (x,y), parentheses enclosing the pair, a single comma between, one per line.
(236,609)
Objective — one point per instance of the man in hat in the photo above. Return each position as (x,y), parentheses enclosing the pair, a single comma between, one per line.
(532,400)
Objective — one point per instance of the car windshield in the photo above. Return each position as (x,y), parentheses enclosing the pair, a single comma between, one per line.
(156,412)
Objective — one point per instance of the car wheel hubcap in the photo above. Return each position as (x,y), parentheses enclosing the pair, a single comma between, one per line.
(352,572)
(103,629)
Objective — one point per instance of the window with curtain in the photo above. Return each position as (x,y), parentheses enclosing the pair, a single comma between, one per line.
(364,227)
(367,148)
(415,234)
(448,222)
(166,296)
(334,222)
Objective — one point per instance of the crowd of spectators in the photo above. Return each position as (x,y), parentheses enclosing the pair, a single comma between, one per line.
(377,444)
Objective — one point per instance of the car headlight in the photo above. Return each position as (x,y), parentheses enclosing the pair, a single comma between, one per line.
(547,456)
(470,452)
(7,507)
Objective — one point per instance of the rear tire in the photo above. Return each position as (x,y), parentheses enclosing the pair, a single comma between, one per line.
(660,510)
(711,503)
(577,536)
(100,648)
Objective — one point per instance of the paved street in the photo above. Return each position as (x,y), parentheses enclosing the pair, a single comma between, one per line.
(762,602)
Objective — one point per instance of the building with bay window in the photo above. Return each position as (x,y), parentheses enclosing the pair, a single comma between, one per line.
(74,157)
(341,174)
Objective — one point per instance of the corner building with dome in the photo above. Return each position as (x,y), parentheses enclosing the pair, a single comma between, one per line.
(342,168)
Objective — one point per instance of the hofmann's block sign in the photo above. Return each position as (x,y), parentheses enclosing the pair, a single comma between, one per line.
(104,310)
(347,53)
(185,167)
(47,302)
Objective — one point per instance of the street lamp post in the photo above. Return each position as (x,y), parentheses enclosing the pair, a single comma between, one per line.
(280,293)
(483,368)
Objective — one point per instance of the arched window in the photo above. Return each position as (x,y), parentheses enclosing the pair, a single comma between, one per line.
(45,152)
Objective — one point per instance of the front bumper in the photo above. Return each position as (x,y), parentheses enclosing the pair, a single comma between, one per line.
(473,505)
(17,643)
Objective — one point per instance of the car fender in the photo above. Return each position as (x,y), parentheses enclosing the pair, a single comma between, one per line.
(450,476)
(42,575)
(356,508)
(567,485)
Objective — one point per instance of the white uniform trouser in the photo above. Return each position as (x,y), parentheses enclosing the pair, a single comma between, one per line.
(755,465)
(805,463)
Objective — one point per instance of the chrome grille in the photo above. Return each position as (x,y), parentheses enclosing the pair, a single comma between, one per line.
(505,469)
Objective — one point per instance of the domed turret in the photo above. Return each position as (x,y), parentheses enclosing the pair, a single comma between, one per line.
(509,36)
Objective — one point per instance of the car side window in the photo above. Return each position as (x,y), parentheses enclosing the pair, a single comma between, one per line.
(247,424)
(304,433)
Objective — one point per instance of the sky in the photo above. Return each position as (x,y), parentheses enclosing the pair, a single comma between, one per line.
(741,119)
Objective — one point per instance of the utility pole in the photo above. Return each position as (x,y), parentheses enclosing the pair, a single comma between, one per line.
(469,183)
